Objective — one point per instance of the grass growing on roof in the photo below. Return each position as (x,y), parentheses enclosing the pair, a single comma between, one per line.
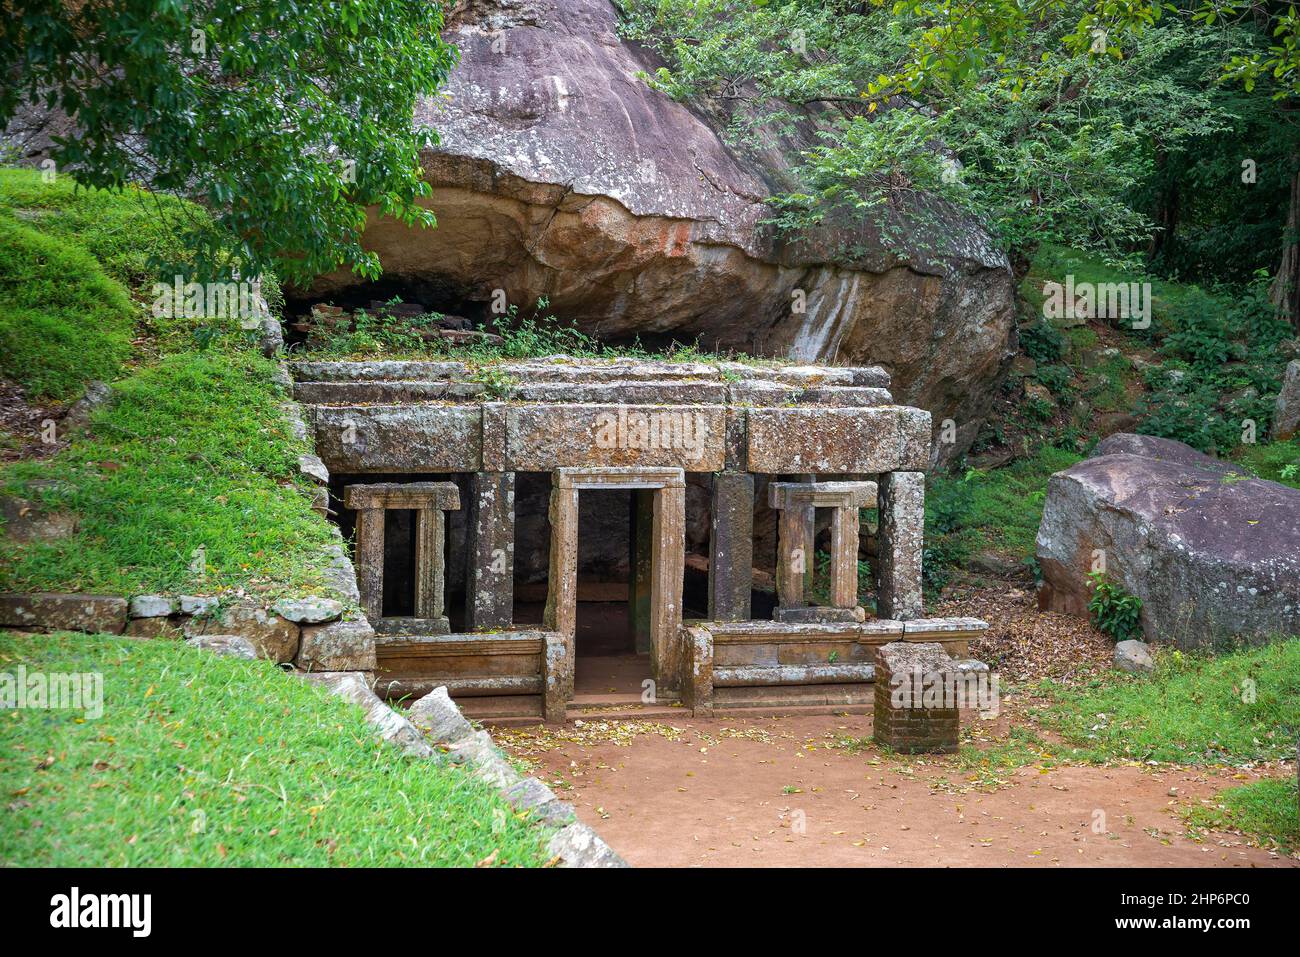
(190,470)
(200,760)
(1243,706)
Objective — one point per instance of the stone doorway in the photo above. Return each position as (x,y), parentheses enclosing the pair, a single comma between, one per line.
(619,643)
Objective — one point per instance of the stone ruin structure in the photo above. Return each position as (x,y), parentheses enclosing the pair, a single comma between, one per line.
(551,535)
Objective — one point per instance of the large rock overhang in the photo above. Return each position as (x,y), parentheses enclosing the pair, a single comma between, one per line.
(703,418)
(560,174)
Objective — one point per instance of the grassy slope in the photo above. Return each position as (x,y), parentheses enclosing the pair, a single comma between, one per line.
(193,452)
(202,761)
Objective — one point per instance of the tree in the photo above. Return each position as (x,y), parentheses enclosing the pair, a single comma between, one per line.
(286,119)
(1069,121)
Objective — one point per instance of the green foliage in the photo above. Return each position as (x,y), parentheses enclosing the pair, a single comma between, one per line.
(949,507)
(1242,706)
(999,510)
(1216,346)
(1042,342)
(993,105)
(1275,461)
(286,120)
(1114,611)
(191,468)
(203,761)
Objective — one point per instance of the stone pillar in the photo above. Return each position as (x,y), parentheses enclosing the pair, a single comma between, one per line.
(430,573)
(557,677)
(490,551)
(668,569)
(697,679)
(640,552)
(907,674)
(370,561)
(902,530)
(845,524)
(562,590)
(794,554)
(731,546)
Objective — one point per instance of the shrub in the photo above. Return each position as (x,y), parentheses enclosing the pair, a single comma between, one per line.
(1114,610)
(1042,342)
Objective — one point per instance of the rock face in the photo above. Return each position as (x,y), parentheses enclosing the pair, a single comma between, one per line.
(1214,556)
(1286,413)
(561,174)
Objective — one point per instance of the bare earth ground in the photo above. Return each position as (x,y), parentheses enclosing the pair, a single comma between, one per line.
(784,791)
(767,791)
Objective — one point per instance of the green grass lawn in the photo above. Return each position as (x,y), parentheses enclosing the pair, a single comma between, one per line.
(200,760)
(1243,706)
(192,460)
(187,480)
(1265,810)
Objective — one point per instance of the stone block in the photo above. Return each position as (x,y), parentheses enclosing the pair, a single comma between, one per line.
(309,611)
(402,438)
(339,646)
(49,611)
(542,438)
(275,638)
(823,440)
(152,606)
(437,715)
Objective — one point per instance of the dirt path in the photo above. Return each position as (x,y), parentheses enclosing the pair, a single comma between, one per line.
(767,791)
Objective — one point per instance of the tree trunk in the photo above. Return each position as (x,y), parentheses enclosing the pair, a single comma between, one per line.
(1285,292)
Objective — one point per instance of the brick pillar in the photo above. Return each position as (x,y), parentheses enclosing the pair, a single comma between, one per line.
(641,546)
(370,561)
(731,546)
(905,673)
(490,551)
(902,530)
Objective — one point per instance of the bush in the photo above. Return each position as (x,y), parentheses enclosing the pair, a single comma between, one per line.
(1042,342)
(1114,610)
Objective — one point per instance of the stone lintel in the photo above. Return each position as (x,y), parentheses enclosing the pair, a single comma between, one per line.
(820,440)
(398,438)
(620,477)
(542,438)
(822,494)
(443,496)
